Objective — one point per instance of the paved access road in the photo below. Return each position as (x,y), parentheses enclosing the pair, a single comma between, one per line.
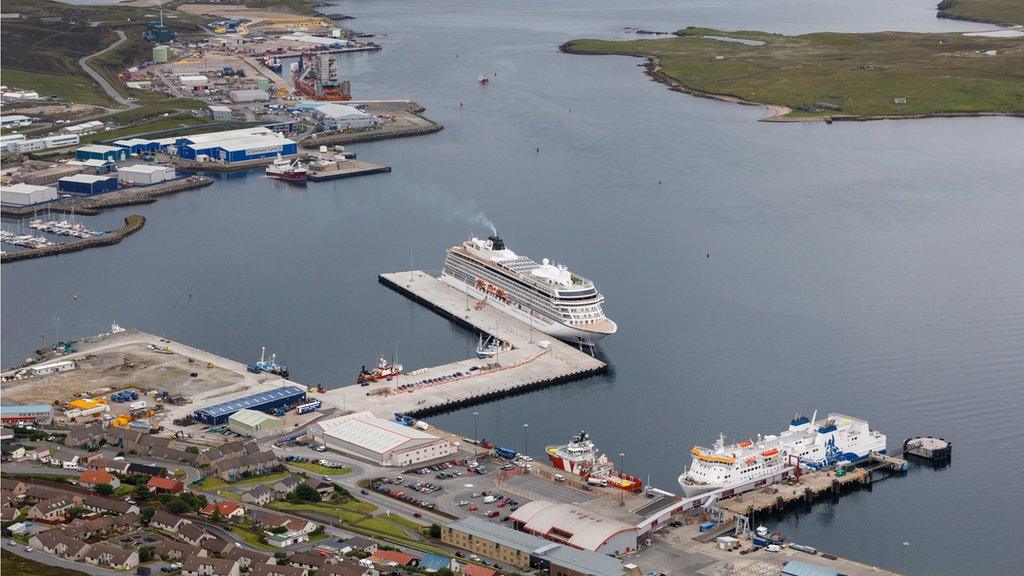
(111,92)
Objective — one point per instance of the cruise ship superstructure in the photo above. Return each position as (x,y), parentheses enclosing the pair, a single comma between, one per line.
(809,442)
(547,296)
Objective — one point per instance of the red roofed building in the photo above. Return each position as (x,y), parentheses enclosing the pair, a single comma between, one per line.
(93,478)
(165,485)
(226,509)
(470,569)
(389,558)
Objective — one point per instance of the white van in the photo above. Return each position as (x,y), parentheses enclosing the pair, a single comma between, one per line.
(559,478)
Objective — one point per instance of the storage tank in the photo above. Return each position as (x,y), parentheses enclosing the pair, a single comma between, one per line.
(161,53)
(262,83)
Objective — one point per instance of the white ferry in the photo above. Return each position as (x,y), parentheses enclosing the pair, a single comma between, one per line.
(547,296)
(808,442)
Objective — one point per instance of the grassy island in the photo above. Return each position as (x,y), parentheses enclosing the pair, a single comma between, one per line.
(837,75)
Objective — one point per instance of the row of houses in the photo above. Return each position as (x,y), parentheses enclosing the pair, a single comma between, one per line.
(92,436)
(106,555)
(262,494)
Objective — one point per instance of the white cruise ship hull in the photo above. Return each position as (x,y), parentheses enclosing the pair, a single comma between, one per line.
(539,322)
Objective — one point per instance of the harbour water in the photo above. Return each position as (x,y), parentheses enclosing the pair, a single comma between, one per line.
(753,269)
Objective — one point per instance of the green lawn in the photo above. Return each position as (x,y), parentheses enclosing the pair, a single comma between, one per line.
(77,89)
(858,75)
(997,11)
(252,538)
(214,483)
(348,511)
(321,469)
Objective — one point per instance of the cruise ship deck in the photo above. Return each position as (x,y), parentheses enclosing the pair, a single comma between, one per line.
(526,366)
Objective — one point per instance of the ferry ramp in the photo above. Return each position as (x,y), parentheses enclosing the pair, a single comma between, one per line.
(526,366)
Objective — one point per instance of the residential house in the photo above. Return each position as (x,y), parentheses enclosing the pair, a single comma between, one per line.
(226,508)
(37,492)
(147,469)
(215,545)
(167,522)
(286,485)
(88,436)
(15,487)
(392,558)
(247,558)
(59,544)
(15,449)
(275,570)
(198,566)
(255,464)
(470,569)
(226,450)
(52,510)
(165,485)
(347,568)
(104,554)
(9,513)
(94,478)
(358,543)
(41,455)
(260,495)
(192,534)
(435,562)
(308,560)
(174,550)
(323,487)
(102,504)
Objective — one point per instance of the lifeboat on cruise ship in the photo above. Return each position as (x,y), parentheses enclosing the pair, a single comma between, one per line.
(770,453)
(746,444)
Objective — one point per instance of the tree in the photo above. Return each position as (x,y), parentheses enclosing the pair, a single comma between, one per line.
(145,554)
(445,572)
(77,511)
(146,514)
(216,516)
(177,505)
(141,492)
(304,493)
(192,449)
(104,489)
(277,529)
(435,531)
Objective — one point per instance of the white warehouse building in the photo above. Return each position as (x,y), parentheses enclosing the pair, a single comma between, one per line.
(383,442)
(333,117)
(145,174)
(26,194)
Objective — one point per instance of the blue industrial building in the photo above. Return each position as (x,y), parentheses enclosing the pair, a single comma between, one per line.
(87,184)
(235,145)
(138,145)
(276,398)
(100,152)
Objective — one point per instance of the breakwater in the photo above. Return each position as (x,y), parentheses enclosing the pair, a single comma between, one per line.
(132,224)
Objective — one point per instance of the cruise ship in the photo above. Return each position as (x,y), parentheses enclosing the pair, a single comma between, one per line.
(547,296)
(812,443)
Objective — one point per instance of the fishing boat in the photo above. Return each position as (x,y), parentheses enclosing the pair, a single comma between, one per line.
(272,365)
(290,170)
(484,80)
(490,347)
(384,370)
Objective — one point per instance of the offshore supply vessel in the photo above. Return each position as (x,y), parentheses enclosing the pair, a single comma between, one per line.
(547,296)
(580,457)
(809,443)
(318,76)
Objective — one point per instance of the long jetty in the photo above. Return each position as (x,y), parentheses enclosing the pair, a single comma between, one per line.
(528,365)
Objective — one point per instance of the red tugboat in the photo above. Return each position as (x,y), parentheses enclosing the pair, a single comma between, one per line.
(292,171)
(383,371)
(580,457)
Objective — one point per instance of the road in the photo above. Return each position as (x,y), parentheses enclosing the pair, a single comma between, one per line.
(111,92)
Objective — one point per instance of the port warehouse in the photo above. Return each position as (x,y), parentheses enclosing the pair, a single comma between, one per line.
(14,121)
(332,116)
(254,423)
(145,174)
(139,145)
(575,527)
(101,152)
(26,194)
(277,398)
(798,568)
(87,184)
(33,415)
(383,442)
(235,145)
(529,552)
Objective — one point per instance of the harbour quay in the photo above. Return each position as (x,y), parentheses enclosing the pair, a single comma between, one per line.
(535,360)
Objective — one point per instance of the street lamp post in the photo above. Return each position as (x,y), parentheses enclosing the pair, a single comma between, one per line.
(526,439)
(622,468)
(476,437)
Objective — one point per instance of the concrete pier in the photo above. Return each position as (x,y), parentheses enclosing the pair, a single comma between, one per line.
(526,366)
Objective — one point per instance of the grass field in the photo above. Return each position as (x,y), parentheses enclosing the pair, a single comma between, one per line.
(839,74)
(14,565)
(320,469)
(996,11)
(80,89)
